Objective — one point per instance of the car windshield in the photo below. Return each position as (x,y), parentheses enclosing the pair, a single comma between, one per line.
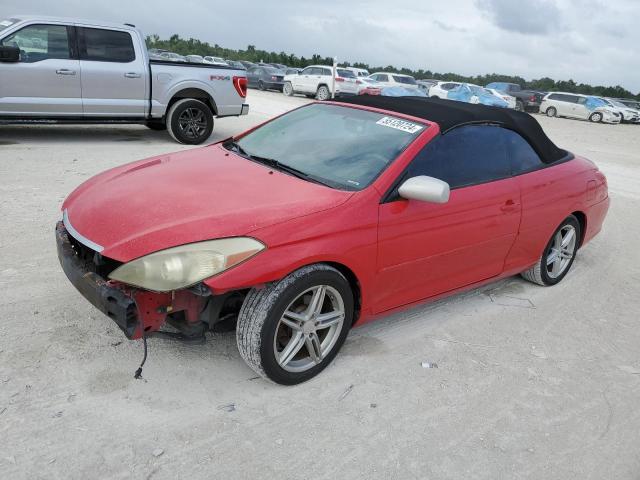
(342,147)
(406,80)
(345,73)
(4,24)
(617,103)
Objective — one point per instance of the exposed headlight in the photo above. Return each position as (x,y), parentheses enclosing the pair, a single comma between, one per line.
(186,265)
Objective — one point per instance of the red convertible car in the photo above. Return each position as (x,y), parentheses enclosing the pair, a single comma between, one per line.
(324,218)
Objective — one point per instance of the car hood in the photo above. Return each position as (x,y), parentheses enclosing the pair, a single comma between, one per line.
(186,197)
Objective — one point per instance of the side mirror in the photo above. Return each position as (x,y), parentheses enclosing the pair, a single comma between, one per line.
(9,54)
(425,189)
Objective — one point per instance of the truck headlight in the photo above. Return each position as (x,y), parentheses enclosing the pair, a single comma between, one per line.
(180,267)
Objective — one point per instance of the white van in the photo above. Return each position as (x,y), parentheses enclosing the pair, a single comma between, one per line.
(574,105)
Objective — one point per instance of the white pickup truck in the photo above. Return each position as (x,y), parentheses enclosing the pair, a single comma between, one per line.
(65,70)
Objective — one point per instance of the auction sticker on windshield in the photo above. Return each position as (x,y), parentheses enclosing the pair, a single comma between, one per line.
(398,124)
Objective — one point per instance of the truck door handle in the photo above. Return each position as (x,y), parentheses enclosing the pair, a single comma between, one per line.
(132,75)
(65,71)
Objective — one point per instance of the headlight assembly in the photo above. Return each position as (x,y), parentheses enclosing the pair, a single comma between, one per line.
(186,265)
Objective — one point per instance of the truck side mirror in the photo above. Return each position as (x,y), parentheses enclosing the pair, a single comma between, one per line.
(9,54)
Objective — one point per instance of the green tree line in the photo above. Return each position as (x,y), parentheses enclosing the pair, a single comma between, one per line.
(193,46)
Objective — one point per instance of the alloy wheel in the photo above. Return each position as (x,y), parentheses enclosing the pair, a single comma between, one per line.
(309,328)
(561,251)
(192,123)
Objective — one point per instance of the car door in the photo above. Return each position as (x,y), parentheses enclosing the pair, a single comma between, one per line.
(425,249)
(46,80)
(301,82)
(580,109)
(114,73)
(566,105)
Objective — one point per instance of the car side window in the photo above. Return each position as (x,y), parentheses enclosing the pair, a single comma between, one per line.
(523,157)
(465,156)
(40,42)
(326,71)
(101,45)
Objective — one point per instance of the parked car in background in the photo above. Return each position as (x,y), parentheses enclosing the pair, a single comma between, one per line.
(395,79)
(292,71)
(156,53)
(265,78)
(325,218)
(235,64)
(425,85)
(194,59)
(629,115)
(469,93)
(316,81)
(635,104)
(441,89)
(526,100)
(369,86)
(279,66)
(172,57)
(584,107)
(214,60)
(511,100)
(358,72)
(109,78)
(247,64)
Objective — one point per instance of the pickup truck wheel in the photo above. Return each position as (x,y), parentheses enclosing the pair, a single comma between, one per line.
(287,89)
(519,106)
(290,330)
(323,93)
(157,126)
(551,112)
(190,121)
(558,255)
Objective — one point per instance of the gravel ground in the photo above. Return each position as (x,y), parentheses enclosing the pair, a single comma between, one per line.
(531,382)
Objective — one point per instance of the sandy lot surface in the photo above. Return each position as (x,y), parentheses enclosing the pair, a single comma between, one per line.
(531,382)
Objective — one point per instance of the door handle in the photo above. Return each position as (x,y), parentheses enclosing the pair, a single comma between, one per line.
(132,75)
(509,206)
(65,71)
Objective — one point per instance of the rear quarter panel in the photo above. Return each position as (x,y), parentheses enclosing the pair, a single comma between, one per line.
(548,196)
(167,80)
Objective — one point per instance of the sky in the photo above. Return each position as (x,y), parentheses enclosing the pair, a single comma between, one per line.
(590,41)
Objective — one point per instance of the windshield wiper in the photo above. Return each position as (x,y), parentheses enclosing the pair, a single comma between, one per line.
(234,146)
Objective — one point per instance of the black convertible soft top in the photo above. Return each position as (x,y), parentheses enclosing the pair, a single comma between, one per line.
(450,114)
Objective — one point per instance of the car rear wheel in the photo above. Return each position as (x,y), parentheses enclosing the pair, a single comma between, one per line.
(558,255)
(323,93)
(261,85)
(596,117)
(287,89)
(289,331)
(190,121)
(551,112)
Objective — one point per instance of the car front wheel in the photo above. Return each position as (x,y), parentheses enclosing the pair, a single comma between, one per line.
(596,117)
(558,255)
(290,330)
(519,106)
(287,89)
(551,112)
(190,121)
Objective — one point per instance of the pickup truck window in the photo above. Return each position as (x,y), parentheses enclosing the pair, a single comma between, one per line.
(101,45)
(40,42)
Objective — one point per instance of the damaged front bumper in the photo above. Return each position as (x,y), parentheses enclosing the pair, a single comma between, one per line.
(135,311)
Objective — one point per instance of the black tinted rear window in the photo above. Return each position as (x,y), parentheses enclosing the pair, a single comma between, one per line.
(345,73)
(106,45)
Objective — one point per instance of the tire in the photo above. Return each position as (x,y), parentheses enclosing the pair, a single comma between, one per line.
(596,117)
(540,272)
(156,126)
(519,106)
(287,89)
(261,85)
(179,121)
(323,93)
(263,336)
(551,112)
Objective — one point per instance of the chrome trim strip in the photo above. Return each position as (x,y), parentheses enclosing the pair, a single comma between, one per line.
(77,235)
